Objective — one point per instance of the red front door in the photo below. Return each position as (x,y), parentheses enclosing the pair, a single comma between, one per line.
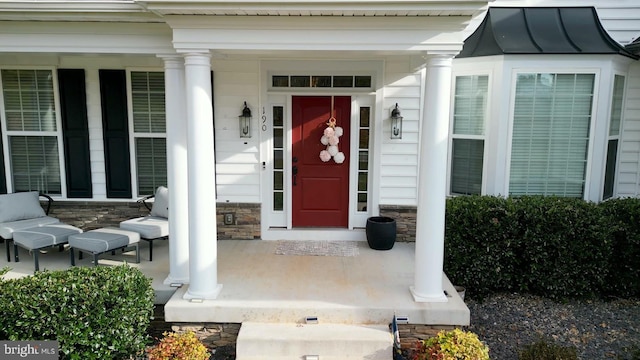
(320,189)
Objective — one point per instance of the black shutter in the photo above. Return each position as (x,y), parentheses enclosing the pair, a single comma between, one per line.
(115,131)
(3,180)
(75,130)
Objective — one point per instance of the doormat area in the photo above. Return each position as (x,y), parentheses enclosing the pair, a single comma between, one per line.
(317,248)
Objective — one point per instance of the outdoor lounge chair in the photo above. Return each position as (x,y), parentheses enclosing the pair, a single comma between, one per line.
(27,224)
(20,211)
(154,226)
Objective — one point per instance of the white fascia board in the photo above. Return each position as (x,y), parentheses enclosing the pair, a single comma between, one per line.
(71,6)
(456,7)
(65,37)
(319,34)
(77,10)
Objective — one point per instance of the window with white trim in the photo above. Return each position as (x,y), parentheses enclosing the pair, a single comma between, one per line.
(467,138)
(615,120)
(550,140)
(149,130)
(278,157)
(364,153)
(31,130)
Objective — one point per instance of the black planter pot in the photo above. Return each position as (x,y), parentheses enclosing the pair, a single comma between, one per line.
(381,232)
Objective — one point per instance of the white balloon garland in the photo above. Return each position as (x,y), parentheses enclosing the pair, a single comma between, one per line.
(330,138)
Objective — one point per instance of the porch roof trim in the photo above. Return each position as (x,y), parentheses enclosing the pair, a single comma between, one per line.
(317,7)
(151,10)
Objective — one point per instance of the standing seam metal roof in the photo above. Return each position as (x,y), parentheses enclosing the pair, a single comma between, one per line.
(541,30)
(634,46)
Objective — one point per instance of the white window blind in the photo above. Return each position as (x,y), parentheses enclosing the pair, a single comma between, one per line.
(147,92)
(152,164)
(614,135)
(30,112)
(149,130)
(470,104)
(467,149)
(552,115)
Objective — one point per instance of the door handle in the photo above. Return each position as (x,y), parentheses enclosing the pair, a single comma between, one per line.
(295,174)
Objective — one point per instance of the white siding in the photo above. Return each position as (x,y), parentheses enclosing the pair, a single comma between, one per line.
(399,158)
(237,159)
(628,165)
(621,19)
(96,144)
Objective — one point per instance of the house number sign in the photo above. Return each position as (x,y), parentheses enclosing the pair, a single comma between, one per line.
(264,120)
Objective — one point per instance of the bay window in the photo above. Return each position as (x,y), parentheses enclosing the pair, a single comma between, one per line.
(550,138)
(467,144)
(615,120)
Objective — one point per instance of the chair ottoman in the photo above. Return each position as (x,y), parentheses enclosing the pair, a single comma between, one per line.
(40,237)
(100,241)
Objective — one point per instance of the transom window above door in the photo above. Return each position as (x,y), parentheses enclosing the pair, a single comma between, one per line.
(321,81)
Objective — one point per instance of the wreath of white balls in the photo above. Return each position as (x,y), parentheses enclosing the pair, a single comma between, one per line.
(331,138)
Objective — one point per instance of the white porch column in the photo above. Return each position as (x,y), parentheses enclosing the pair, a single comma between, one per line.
(203,249)
(177,170)
(432,186)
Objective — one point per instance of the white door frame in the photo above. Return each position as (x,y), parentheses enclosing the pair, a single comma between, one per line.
(278,225)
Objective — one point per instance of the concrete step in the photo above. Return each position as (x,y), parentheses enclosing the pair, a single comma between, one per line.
(289,341)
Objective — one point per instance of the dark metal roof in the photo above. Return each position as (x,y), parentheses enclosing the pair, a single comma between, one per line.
(541,30)
(634,46)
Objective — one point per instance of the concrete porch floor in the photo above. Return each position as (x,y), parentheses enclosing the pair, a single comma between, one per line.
(261,286)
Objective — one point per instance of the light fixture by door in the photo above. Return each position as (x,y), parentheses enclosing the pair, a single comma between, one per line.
(396,123)
(245,122)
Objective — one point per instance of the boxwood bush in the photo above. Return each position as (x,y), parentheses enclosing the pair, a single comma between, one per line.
(624,265)
(480,244)
(564,247)
(550,246)
(93,312)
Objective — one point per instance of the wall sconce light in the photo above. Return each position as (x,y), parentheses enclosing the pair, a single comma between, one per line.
(245,122)
(396,123)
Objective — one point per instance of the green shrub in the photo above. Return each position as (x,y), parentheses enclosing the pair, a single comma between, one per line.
(632,353)
(480,233)
(543,350)
(179,346)
(564,247)
(452,345)
(94,312)
(624,268)
(549,246)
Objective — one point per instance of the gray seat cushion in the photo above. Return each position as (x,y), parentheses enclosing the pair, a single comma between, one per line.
(7,228)
(102,240)
(44,236)
(149,227)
